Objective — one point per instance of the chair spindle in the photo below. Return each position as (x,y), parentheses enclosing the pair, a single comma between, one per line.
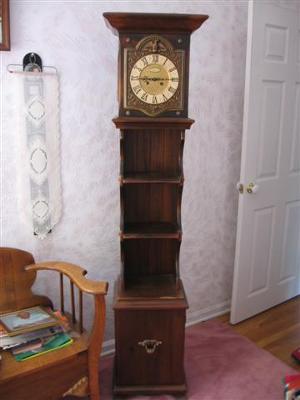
(73,302)
(62,300)
(80,311)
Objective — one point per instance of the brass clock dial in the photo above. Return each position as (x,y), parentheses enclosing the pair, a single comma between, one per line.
(154,79)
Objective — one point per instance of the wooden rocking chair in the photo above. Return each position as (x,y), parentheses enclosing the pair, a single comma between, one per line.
(72,370)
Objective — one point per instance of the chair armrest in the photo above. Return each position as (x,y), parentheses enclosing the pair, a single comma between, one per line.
(75,273)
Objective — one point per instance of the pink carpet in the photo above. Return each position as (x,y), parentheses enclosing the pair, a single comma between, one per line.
(220,364)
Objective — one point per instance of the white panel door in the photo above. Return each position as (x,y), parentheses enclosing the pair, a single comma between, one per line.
(267,261)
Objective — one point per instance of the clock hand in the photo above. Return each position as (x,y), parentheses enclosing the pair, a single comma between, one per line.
(145,78)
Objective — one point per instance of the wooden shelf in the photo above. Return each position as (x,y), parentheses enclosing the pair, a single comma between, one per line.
(163,287)
(141,123)
(156,153)
(151,208)
(151,178)
(151,256)
(151,230)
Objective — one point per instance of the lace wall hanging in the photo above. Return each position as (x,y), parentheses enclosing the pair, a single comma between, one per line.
(39,146)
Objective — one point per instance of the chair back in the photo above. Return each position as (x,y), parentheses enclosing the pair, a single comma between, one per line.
(16,283)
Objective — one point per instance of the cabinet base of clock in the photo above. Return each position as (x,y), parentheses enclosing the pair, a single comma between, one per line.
(150,347)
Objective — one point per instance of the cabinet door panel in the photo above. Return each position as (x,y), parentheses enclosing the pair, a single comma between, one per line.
(134,365)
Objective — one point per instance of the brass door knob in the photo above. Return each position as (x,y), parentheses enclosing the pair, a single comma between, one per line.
(240,187)
(252,188)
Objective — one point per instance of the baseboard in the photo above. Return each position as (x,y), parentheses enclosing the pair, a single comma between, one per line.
(208,313)
(108,347)
(192,319)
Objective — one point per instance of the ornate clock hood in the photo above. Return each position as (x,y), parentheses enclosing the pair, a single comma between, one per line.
(153,62)
(140,22)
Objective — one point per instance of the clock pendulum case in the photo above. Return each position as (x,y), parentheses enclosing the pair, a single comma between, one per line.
(150,303)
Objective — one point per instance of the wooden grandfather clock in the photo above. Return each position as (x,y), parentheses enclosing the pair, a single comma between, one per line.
(150,303)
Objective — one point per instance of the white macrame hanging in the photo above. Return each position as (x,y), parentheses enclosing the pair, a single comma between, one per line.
(39,167)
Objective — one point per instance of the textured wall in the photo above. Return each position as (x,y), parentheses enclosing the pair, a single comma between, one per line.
(73,37)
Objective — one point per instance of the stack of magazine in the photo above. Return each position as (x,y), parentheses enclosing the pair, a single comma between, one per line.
(33,331)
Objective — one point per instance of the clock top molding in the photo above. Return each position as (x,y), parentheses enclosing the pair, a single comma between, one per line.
(153,63)
(120,22)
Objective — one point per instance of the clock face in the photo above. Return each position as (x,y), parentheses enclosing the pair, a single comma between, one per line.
(154,79)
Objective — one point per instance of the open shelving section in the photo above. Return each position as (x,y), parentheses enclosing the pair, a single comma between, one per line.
(151,184)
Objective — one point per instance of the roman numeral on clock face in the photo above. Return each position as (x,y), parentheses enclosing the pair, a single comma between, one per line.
(172,69)
(171,90)
(144,96)
(145,61)
(154,100)
(155,58)
(137,89)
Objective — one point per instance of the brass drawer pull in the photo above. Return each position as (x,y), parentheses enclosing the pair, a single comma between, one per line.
(150,345)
